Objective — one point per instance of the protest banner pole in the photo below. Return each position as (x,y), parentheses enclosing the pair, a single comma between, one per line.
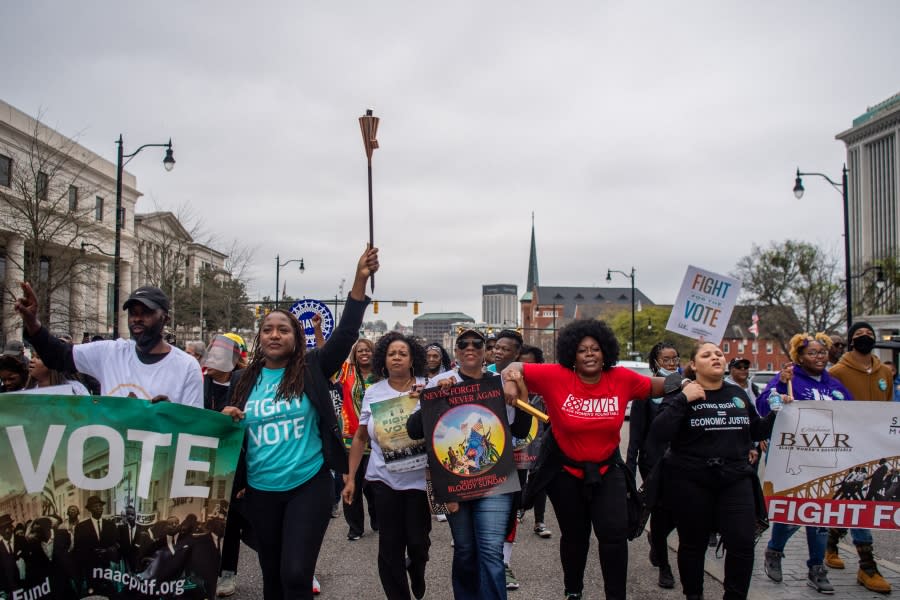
(368,125)
(523,405)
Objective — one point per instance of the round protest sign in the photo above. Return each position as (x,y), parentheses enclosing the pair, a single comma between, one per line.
(304,311)
(468,440)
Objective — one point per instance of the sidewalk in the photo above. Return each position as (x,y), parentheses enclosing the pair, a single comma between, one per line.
(794,568)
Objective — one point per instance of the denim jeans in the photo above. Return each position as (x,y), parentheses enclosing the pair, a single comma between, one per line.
(478,529)
(816,537)
(861,536)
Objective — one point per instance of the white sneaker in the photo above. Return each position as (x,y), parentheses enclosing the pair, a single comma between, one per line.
(227,584)
(317,589)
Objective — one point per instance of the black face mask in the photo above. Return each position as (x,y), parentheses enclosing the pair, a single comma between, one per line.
(151,336)
(863,344)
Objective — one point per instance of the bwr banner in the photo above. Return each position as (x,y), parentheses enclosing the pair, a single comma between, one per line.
(112,497)
(835,464)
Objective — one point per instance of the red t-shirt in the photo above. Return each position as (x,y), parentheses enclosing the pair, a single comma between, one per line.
(586,418)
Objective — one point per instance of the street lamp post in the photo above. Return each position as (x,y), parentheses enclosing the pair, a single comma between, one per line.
(278,265)
(609,273)
(842,188)
(123,159)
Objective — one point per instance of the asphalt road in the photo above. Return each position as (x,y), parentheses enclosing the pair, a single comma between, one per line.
(349,570)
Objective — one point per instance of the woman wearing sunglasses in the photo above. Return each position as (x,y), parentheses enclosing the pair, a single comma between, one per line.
(585,395)
(478,526)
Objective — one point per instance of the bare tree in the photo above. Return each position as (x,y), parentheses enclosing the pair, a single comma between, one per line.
(795,275)
(45,205)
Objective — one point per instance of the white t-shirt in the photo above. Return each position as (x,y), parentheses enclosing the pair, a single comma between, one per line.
(377,471)
(114,363)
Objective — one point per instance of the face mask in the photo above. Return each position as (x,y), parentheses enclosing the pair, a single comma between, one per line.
(150,337)
(663,372)
(863,344)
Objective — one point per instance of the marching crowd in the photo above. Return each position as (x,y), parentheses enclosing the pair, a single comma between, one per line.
(699,477)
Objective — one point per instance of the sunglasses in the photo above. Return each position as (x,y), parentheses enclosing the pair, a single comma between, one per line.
(463,344)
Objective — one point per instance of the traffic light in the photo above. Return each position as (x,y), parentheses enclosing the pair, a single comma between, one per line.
(415,308)
(258,310)
(375,307)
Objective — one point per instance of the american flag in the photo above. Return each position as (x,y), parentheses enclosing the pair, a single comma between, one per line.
(754,329)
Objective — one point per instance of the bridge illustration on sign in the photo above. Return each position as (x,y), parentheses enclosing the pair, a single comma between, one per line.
(877,479)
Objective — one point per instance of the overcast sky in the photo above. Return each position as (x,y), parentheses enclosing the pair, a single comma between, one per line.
(645,134)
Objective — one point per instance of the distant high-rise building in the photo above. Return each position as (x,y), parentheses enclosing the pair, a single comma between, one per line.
(499,304)
(433,327)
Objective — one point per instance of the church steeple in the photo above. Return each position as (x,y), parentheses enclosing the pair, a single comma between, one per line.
(532,262)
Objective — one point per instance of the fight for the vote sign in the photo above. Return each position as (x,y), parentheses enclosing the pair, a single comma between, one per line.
(704,305)
(835,464)
(113,497)
(470,449)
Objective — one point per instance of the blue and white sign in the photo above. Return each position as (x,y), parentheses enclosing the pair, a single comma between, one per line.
(304,311)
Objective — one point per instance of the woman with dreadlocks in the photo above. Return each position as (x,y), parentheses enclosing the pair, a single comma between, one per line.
(293,439)
(355,378)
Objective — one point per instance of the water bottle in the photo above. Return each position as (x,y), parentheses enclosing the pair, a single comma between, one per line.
(775,401)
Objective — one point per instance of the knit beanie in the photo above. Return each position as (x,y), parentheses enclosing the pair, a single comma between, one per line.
(854,328)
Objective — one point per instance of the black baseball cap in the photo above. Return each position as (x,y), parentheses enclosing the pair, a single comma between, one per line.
(735,362)
(151,297)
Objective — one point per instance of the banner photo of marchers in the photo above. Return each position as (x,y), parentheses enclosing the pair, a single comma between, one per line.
(399,451)
(835,464)
(106,497)
(470,446)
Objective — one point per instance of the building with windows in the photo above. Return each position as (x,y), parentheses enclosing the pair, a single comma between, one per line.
(767,350)
(499,304)
(57,231)
(873,190)
(545,309)
(438,327)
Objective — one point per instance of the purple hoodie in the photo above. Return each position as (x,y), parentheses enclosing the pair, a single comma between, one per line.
(805,388)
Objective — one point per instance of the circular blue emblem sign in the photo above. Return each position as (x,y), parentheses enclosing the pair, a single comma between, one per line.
(304,311)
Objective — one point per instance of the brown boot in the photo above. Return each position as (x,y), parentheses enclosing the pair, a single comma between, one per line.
(868,574)
(832,559)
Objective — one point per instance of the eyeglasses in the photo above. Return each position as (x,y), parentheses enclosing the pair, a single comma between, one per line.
(668,360)
(839,345)
(814,353)
(463,344)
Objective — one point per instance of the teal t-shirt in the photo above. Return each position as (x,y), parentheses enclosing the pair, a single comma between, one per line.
(284,447)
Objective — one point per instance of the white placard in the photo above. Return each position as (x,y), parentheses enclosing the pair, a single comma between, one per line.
(704,305)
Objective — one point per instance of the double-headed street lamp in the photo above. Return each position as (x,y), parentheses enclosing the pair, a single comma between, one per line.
(842,188)
(123,159)
(609,273)
(278,265)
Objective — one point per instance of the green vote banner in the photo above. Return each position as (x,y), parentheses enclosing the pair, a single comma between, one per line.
(112,497)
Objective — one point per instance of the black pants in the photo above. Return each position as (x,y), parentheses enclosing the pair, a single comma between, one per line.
(354,513)
(662,523)
(234,529)
(404,524)
(290,527)
(606,511)
(703,502)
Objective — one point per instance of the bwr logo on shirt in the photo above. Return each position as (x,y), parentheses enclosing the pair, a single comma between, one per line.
(591,407)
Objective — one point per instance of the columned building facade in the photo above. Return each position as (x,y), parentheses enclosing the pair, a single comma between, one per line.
(873,165)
